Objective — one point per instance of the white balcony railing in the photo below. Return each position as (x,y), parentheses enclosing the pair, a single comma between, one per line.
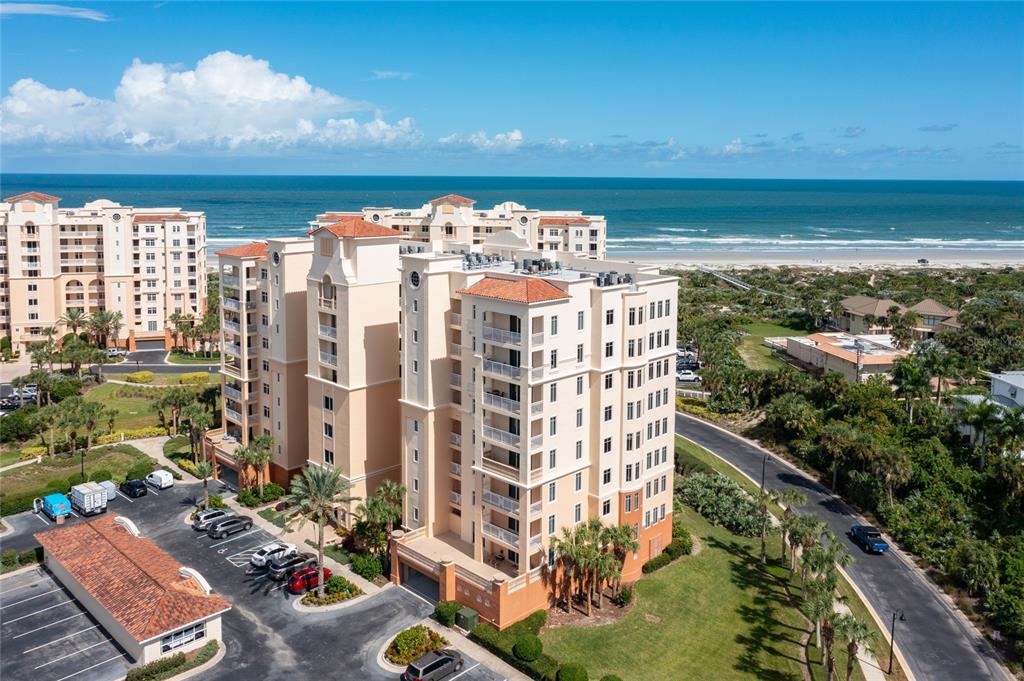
(537,338)
(537,372)
(454,349)
(233,348)
(507,504)
(328,358)
(230,280)
(536,442)
(455,468)
(328,303)
(499,402)
(456,319)
(456,498)
(501,369)
(232,304)
(535,541)
(233,326)
(496,335)
(535,507)
(329,331)
(455,439)
(233,393)
(502,436)
(454,379)
(74,289)
(233,415)
(537,407)
(499,468)
(501,534)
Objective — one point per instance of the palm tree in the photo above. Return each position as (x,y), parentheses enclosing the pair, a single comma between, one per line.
(174,321)
(75,318)
(262,447)
(567,551)
(983,417)
(894,467)
(99,326)
(374,514)
(836,439)
(938,364)
(114,326)
(48,417)
(1010,432)
(806,532)
(768,496)
(818,605)
(857,635)
(200,420)
(911,381)
(91,414)
(205,470)
(622,539)
(392,493)
(70,420)
(313,497)
(175,399)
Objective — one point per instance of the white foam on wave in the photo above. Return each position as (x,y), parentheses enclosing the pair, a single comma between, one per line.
(818,243)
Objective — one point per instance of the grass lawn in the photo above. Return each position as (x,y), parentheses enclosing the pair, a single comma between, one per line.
(178,446)
(116,458)
(177,357)
(332,551)
(132,412)
(755,353)
(9,456)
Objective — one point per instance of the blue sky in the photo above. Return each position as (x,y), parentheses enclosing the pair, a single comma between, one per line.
(846,90)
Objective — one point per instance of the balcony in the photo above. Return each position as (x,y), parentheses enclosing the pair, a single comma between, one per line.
(328,358)
(501,534)
(535,542)
(506,504)
(455,439)
(456,319)
(537,338)
(537,408)
(496,335)
(501,369)
(536,442)
(455,468)
(500,436)
(455,349)
(499,402)
(233,393)
(455,379)
(327,303)
(535,507)
(232,304)
(233,326)
(455,498)
(230,280)
(328,331)
(501,468)
(233,348)
(233,415)
(74,289)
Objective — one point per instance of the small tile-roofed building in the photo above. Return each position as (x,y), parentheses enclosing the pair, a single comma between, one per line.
(148,602)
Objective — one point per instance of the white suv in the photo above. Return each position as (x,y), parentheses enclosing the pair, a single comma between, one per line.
(273,551)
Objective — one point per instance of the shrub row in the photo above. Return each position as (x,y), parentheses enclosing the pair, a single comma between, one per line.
(166,667)
(271,492)
(681,545)
(12,560)
(502,644)
(336,590)
(412,643)
(445,612)
(139,377)
(722,502)
(194,378)
(367,566)
(32,452)
(134,434)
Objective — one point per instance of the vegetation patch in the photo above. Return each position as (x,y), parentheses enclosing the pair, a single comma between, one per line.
(721,501)
(172,665)
(502,644)
(11,560)
(413,642)
(336,590)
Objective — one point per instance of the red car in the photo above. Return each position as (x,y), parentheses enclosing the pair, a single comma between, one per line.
(304,580)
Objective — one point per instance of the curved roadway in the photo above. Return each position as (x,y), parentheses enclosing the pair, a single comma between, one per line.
(936,640)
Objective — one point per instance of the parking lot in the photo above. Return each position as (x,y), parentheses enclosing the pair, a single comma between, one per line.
(47,634)
(264,635)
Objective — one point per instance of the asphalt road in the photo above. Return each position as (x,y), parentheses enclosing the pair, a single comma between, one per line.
(935,640)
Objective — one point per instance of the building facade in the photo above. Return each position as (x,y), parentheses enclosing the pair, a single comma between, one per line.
(453,219)
(146,263)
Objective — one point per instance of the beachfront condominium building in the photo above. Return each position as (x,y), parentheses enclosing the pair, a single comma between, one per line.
(146,263)
(513,391)
(453,219)
(536,394)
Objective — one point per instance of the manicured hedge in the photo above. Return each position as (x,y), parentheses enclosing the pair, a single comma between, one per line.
(140,377)
(194,378)
(501,643)
(528,648)
(170,666)
(572,671)
(445,612)
(656,563)
(367,566)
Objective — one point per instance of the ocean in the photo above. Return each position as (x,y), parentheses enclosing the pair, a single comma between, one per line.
(645,216)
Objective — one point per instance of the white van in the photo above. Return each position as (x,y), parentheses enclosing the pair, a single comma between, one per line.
(160,479)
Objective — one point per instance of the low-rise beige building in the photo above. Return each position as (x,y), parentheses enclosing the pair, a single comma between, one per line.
(146,263)
(857,357)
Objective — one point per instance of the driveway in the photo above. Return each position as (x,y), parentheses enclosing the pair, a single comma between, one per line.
(935,638)
(265,637)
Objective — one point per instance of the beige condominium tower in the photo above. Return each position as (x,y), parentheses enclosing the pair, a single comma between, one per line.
(514,391)
(146,263)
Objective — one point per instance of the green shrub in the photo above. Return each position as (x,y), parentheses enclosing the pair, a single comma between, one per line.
(528,648)
(624,597)
(9,558)
(412,643)
(151,670)
(135,434)
(64,388)
(19,425)
(75,479)
(501,643)
(139,470)
(140,377)
(722,502)
(610,677)
(187,466)
(248,498)
(272,492)
(679,547)
(32,452)
(29,557)
(194,378)
(657,563)
(216,501)
(445,612)
(100,474)
(367,566)
(571,671)
(310,598)
(338,584)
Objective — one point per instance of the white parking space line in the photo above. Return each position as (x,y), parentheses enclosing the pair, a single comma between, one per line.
(82,671)
(228,541)
(72,654)
(82,631)
(23,586)
(75,514)
(125,498)
(153,491)
(30,598)
(16,619)
(248,550)
(464,671)
(40,516)
(47,626)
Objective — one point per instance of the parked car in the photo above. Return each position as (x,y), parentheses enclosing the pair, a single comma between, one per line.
(204,519)
(227,526)
(272,551)
(284,566)
(687,377)
(869,538)
(305,579)
(54,505)
(437,664)
(160,479)
(133,489)
(115,352)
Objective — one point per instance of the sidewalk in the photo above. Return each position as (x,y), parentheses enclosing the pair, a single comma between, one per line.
(486,657)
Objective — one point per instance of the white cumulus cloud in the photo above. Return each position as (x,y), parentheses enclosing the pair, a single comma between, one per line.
(31,8)
(502,141)
(228,101)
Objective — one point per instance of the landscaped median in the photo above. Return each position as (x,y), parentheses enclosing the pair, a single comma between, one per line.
(337,590)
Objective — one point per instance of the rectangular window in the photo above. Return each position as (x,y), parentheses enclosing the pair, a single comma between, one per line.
(608,413)
(609,349)
(606,507)
(629,504)
(578,512)
(551,491)
(608,381)
(554,325)
(579,352)
(554,359)
(629,474)
(579,320)
(632,316)
(607,447)
(606,476)
(415,484)
(329,456)
(328,430)
(579,418)
(553,392)
(579,385)
(552,458)
(551,524)
(183,637)
(552,425)
(609,316)
(415,455)
(328,403)
(579,449)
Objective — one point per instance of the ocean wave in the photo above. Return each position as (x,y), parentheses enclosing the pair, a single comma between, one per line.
(673,230)
(818,243)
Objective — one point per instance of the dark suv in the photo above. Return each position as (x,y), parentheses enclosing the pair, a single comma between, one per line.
(282,568)
(433,666)
(223,528)
(133,489)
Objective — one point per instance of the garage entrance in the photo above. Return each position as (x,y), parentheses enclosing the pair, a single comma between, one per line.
(149,344)
(422,584)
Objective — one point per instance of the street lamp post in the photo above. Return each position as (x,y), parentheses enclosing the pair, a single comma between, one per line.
(892,636)
(764,465)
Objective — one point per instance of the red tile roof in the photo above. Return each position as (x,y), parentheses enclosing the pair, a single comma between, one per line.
(130,577)
(453,198)
(32,196)
(526,290)
(153,217)
(256,249)
(568,220)
(355,227)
